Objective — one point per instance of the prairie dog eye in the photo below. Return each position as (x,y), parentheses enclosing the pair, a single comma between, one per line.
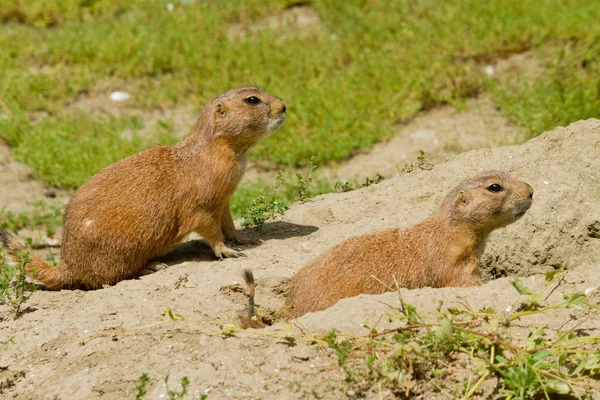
(494,188)
(252,100)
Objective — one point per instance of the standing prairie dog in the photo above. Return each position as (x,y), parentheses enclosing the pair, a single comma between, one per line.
(141,206)
(441,251)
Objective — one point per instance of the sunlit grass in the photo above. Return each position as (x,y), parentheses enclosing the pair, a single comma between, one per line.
(348,80)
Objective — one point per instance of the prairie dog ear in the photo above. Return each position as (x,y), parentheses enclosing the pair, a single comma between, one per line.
(462,199)
(220,110)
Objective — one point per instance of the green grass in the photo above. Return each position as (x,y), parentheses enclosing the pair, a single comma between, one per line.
(569,89)
(66,151)
(41,216)
(347,81)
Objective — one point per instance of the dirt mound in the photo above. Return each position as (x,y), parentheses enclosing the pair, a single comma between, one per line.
(88,345)
(561,227)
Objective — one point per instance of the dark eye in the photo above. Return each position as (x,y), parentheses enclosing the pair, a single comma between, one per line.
(252,100)
(494,187)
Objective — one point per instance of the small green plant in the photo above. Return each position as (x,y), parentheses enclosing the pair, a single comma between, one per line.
(342,347)
(373,181)
(9,340)
(343,186)
(262,208)
(305,182)
(140,387)
(181,280)
(14,288)
(421,163)
(177,394)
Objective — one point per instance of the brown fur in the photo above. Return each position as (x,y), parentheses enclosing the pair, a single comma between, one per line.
(140,207)
(441,251)
(249,279)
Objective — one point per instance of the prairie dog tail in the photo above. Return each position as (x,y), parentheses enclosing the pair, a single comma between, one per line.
(36,269)
(249,279)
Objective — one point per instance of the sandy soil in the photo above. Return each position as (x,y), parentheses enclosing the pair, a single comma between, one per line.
(95,345)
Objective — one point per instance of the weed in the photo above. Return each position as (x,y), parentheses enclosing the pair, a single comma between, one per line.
(305,182)
(345,186)
(268,201)
(140,387)
(9,340)
(14,288)
(342,348)
(421,163)
(262,210)
(373,181)
(181,280)
(265,206)
(177,394)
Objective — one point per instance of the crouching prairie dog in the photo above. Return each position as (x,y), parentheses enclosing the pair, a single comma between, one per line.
(141,206)
(441,251)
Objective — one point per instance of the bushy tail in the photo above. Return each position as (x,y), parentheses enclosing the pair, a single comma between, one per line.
(249,279)
(36,269)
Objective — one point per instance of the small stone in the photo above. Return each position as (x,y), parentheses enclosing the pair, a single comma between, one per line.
(119,96)
(590,290)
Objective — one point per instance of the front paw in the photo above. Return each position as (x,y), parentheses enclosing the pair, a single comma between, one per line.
(222,251)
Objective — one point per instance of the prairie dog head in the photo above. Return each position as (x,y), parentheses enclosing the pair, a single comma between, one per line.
(489,201)
(246,114)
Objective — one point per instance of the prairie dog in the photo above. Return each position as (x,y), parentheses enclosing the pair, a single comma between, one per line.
(441,251)
(141,206)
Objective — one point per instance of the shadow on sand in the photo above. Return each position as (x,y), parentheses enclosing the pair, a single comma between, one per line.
(199,250)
